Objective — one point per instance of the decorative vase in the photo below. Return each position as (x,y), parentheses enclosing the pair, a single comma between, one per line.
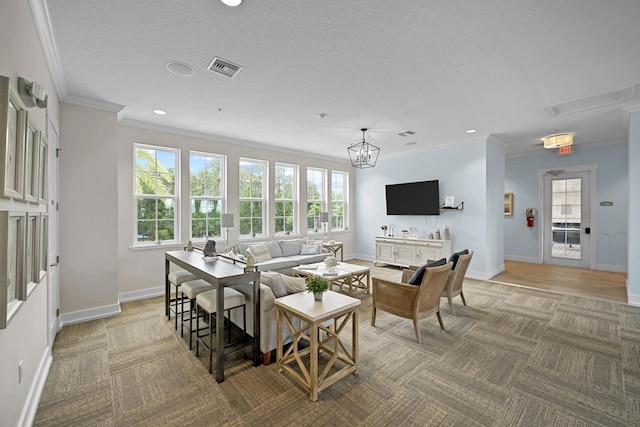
(331,261)
(317,296)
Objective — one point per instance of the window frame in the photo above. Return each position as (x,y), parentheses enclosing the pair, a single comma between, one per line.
(294,201)
(314,220)
(222,198)
(264,199)
(175,197)
(344,202)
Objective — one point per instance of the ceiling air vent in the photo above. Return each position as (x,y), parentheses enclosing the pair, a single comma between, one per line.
(224,67)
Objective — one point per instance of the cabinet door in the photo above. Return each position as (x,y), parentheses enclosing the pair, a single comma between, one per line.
(385,252)
(406,254)
(428,253)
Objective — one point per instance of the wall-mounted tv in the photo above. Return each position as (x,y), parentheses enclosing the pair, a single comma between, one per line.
(413,198)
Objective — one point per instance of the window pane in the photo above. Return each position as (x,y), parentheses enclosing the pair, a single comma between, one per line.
(165,230)
(146,231)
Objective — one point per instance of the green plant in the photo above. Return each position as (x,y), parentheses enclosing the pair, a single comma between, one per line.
(317,284)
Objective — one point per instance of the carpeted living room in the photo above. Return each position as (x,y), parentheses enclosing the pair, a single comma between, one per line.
(514,356)
(338,144)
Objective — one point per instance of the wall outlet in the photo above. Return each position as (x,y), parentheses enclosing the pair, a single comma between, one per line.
(19,372)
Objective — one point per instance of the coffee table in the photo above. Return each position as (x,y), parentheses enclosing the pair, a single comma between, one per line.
(327,319)
(350,275)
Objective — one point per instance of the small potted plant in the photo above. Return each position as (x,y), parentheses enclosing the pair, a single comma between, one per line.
(318,286)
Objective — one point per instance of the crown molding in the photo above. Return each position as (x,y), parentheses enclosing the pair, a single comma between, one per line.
(227,140)
(498,142)
(576,146)
(94,103)
(42,21)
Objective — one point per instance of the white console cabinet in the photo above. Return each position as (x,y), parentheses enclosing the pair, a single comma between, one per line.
(406,251)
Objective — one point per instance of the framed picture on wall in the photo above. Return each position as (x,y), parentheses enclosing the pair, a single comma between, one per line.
(31,163)
(12,267)
(508,204)
(43,247)
(12,122)
(32,252)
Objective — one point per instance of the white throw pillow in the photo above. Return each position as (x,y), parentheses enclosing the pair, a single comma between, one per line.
(293,284)
(260,251)
(273,281)
(311,241)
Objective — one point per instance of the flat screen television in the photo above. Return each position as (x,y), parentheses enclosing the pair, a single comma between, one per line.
(413,198)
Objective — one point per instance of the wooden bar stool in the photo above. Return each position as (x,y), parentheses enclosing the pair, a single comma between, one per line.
(190,290)
(207,302)
(177,278)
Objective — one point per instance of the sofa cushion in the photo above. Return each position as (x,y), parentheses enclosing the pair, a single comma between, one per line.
(274,249)
(416,279)
(274,282)
(291,247)
(260,252)
(454,257)
(277,264)
(311,241)
(310,249)
(293,284)
(308,259)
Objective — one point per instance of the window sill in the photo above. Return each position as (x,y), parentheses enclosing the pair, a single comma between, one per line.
(163,246)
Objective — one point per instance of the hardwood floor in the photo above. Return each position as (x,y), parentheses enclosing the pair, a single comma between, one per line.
(566,280)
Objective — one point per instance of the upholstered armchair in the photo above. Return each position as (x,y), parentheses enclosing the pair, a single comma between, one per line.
(413,302)
(456,280)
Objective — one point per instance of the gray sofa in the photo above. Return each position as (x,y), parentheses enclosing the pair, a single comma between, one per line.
(285,256)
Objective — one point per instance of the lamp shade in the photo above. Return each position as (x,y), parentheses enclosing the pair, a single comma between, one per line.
(324,216)
(226,220)
(558,140)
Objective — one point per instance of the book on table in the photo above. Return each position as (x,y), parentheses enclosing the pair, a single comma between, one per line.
(308,267)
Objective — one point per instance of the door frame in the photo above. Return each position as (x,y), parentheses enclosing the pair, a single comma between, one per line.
(592,170)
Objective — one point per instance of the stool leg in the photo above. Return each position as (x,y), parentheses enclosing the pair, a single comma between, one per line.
(244,323)
(176,306)
(211,343)
(181,316)
(192,303)
(198,327)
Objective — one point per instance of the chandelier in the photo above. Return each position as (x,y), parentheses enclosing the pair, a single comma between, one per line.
(362,154)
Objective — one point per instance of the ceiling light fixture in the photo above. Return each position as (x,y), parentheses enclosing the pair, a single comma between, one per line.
(159,112)
(362,154)
(471,131)
(231,3)
(558,140)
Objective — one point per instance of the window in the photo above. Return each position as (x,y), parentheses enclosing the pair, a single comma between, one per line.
(207,191)
(155,194)
(252,197)
(339,196)
(286,197)
(315,197)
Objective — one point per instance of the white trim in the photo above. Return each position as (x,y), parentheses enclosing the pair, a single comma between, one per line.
(633,299)
(42,21)
(90,314)
(611,268)
(142,294)
(94,103)
(481,275)
(527,259)
(35,391)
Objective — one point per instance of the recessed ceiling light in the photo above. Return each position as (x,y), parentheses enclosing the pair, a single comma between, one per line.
(471,131)
(322,115)
(231,3)
(160,112)
(180,68)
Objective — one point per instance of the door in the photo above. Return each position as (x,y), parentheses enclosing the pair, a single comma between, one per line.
(52,208)
(566,218)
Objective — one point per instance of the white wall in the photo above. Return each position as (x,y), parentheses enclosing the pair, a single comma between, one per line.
(462,172)
(25,338)
(633,275)
(610,228)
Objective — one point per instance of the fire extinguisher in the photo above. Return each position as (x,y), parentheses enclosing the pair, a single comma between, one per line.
(531,213)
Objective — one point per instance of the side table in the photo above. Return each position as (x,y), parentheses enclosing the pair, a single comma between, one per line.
(336,308)
(334,248)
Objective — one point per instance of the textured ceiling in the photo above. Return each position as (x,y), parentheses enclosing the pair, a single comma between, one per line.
(437,68)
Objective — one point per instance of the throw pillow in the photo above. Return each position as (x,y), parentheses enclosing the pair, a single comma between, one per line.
(260,251)
(416,279)
(274,249)
(310,249)
(291,247)
(293,284)
(274,282)
(311,241)
(454,257)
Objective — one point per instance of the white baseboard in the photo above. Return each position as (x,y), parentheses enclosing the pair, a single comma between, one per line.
(143,294)
(633,299)
(530,260)
(481,275)
(611,268)
(91,314)
(35,392)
